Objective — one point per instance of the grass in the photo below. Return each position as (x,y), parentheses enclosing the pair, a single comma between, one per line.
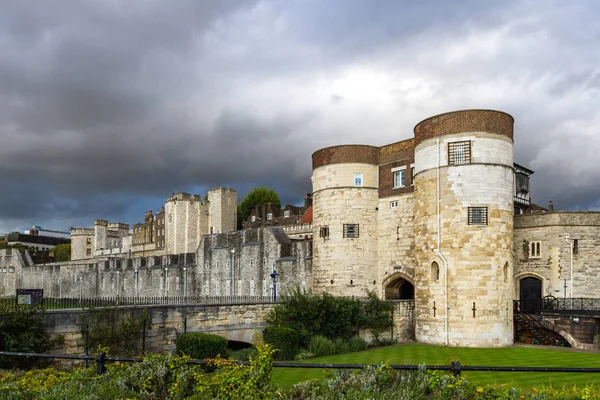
(438,355)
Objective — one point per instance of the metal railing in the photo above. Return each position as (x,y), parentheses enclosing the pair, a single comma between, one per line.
(553,304)
(455,367)
(49,303)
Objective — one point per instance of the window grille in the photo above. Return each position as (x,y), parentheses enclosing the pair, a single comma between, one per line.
(350,230)
(459,153)
(478,216)
(324,232)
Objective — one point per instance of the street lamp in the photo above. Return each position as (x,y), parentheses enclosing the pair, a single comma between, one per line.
(274,276)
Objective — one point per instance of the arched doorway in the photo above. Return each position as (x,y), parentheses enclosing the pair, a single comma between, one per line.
(399,288)
(530,294)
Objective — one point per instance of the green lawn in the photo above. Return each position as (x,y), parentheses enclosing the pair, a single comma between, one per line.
(438,355)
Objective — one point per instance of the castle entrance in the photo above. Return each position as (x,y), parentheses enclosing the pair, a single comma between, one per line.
(530,295)
(399,288)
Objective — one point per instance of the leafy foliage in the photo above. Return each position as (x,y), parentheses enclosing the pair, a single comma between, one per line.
(119,330)
(165,377)
(310,315)
(377,315)
(320,346)
(236,381)
(62,252)
(199,345)
(23,330)
(256,197)
(284,340)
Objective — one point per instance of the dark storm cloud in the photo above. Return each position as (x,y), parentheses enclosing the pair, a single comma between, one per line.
(106,105)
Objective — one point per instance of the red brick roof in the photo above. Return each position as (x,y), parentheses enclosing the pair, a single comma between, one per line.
(307,217)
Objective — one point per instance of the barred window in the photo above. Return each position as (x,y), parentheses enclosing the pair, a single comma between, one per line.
(459,153)
(478,216)
(324,232)
(350,230)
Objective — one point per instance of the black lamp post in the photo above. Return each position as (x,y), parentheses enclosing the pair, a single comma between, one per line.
(274,276)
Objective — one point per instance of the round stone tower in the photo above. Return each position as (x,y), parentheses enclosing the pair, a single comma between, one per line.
(345,198)
(464,228)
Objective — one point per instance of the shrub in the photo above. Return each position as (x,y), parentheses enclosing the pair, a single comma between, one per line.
(310,315)
(23,330)
(199,345)
(321,346)
(119,330)
(235,382)
(377,315)
(356,344)
(244,354)
(284,340)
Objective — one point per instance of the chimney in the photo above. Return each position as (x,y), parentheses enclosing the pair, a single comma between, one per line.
(307,201)
(550,206)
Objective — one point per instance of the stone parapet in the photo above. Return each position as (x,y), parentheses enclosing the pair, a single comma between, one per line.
(464,121)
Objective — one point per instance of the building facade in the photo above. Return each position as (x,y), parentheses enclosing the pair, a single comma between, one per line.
(176,228)
(445,218)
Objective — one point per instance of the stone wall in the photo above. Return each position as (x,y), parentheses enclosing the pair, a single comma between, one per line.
(186,219)
(478,256)
(396,240)
(242,323)
(553,265)
(11,271)
(246,270)
(222,210)
(208,272)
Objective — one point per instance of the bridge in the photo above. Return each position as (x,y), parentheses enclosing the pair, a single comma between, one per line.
(236,318)
(569,322)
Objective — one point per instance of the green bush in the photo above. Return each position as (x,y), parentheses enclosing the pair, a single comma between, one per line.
(23,330)
(199,345)
(310,315)
(376,316)
(284,339)
(356,344)
(118,329)
(321,346)
(244,354)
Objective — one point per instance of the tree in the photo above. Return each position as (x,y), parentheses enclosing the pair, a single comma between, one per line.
(377,315)
(62,252)
(256,197)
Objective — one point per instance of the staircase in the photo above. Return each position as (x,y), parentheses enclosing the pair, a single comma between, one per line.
(535,329)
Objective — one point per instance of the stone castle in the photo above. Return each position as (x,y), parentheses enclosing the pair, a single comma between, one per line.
(443,219)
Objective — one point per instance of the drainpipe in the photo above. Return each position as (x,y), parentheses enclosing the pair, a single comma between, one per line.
(232,292)
(571,269)
(439,240)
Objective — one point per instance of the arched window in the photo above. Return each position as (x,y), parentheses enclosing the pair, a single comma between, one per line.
(505,272)
(435,272)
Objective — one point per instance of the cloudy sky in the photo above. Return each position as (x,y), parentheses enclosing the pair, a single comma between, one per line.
(107,107)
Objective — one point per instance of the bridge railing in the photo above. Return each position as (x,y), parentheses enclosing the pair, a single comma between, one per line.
(49,303)
(580,305)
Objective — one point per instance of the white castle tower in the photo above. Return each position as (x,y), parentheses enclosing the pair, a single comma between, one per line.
(464,228)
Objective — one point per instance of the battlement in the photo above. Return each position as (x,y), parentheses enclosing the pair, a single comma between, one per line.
(101,222)
(118,225)
(82,231)
(182,196)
